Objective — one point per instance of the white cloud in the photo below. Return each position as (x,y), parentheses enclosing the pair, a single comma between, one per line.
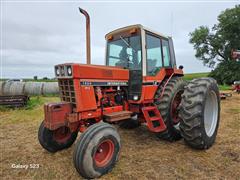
(36,36)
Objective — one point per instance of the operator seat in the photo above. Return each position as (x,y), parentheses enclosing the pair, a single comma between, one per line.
(151,66)
(123,58)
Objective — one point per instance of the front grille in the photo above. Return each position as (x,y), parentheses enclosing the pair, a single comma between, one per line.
(67,92)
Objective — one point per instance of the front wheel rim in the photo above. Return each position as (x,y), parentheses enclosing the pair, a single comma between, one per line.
(104,153)
(211,113)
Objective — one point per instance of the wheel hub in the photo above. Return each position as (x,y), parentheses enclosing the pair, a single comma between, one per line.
(104,153)
(62,134)
(210,113)
(174,107)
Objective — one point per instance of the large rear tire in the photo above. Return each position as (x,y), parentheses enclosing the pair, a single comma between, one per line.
(56,140)
(200,113)
(168,107)
(97,150)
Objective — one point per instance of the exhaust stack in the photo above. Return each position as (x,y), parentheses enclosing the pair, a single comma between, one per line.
(88,47)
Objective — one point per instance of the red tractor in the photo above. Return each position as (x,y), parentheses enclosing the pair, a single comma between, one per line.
(139,85)
(236,86)
(235,54)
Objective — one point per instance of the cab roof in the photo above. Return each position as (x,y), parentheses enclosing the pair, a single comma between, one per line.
(139,26)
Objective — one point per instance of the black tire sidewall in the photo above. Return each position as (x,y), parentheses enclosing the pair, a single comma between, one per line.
(192,109)
(87,145)
(44,136)
(47,141)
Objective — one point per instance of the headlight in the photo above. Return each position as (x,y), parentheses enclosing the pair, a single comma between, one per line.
(69,70)
(135,97)
(57,71)
(62,71)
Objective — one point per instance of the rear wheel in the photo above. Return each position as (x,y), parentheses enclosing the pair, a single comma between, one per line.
(200,113)
(168,106)
(56,140)
(97,150)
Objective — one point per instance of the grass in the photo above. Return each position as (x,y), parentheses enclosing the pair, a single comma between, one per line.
(33,102)
(40,80)
(3,109)
(224,87)
(189,77)
(235,110)
(34,108)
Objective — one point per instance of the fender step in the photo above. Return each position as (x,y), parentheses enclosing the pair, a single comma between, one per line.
(153,118)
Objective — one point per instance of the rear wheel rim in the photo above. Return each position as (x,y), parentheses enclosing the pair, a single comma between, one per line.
(210,113)
(174,107)
(62,134)
(104,153)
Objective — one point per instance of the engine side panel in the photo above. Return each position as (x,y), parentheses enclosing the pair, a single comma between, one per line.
(83,71)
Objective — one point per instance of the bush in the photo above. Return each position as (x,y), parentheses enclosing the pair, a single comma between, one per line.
(226,72)
(33,102)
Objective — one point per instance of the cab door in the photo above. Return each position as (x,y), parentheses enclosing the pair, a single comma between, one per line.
(135,76)
(158,58)
(158,54)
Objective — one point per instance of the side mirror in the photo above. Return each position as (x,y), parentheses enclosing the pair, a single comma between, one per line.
(180,67)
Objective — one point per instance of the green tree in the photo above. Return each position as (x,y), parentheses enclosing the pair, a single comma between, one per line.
(213,46)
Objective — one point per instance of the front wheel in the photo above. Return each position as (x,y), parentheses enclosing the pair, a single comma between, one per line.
(200,113)
(55,140)
(97,150)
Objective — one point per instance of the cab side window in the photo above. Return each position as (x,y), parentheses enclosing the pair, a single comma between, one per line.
(166,53)
(154,54)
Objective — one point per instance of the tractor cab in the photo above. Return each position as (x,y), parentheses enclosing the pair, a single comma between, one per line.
(142,51)
(134,47)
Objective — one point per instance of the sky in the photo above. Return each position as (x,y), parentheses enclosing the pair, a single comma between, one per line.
(36,35)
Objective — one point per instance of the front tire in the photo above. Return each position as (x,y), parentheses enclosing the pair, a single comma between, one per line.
(56,140)
(200,113)
(97,150)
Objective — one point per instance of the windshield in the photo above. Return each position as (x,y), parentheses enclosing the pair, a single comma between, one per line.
(125,52)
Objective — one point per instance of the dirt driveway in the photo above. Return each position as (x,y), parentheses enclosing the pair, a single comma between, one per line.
(143,156)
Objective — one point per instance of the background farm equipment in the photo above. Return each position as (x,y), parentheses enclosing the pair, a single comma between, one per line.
(139,84)
(225,95)
(14,100)
(235,54)
(236,86)
(12,87)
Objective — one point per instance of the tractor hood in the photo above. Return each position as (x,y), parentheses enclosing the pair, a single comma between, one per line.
(85,71)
